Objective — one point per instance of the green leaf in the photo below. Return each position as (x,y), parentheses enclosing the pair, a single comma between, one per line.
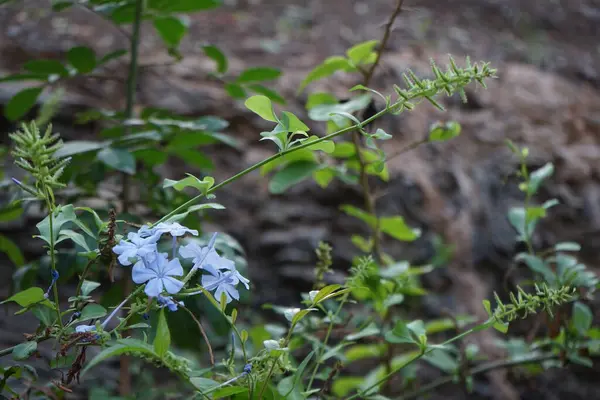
(92,311)
(360,214)
(362,351)
(123,346)
(79,147)
(262,106)
(442,360)
(217,56)
(171,29)
(287,388)
(501,327)
(324,176)
(319,98)
(197,207)
(235,91)
(75,237)
(328,68)
(162,341)
(265,91)
(397,228)
(258,74)
(400,334)
(29,297)
(194,158)
(331,112)
(360,53)
(292,123)
(320,295)
(538,176)
(440,132)
(113,55)
(228,391)
(47,67)
(290,175)
(119,159)
(20,104)
(182,6)
(44,314)
(88,287)
(82,58)
(344,150)
(567,246)
(11,249)
(582,317)
(191,181)
(24,350)
(61,216)
(203,384)
(537,265)
(23,77)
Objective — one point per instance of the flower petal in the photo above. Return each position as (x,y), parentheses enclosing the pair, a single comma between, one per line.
(154,287)
(191,250)
(85,328)
(127,254)
(172,285)
(173,268)
(140,273)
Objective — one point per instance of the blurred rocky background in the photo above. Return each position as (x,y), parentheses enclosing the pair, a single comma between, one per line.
(547,97)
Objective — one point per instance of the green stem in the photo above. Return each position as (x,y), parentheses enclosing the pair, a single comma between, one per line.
(53,263)
(125,381)
(274,157)
(268,378)
(326,340)
(130,314)
(416,92)
(479,370)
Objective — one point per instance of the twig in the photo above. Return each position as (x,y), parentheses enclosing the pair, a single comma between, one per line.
(370,200)
(480,370)
(125,382)
(210,352)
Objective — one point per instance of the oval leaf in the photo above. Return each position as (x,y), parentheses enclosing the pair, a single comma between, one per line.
(20,104)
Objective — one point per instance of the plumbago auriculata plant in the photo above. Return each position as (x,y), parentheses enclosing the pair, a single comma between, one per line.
(173,271)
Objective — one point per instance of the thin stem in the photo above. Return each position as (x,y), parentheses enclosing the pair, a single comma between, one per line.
(53,263)
(268,378)
(83,276)
(125,381)
(275,157)
(479,370)
(326,340)
(413,93)
(369,197)
(384,40)
(210,351)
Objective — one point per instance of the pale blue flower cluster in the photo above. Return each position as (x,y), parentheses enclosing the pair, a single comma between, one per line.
(158,272)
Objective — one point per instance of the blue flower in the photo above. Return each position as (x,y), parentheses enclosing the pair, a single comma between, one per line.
(247,368)
(158,273)
(221,282)
(136,247)
(205,255)
(174,229)
(85,328)
(168,302)
(146,231)
(55,275)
